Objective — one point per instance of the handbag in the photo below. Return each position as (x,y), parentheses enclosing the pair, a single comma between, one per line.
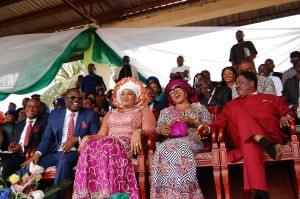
(178,129)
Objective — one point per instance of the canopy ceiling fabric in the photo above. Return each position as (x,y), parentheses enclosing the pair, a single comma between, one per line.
(30,62)
(154,50)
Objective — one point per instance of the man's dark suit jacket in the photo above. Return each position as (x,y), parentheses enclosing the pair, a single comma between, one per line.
(157,107)
(277,74)
(221,96)
(87,123)
(7,133)
(291,90)
(13,162)
(36,134)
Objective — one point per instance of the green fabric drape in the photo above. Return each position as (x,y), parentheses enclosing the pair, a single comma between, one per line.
(102,54)
(77,46)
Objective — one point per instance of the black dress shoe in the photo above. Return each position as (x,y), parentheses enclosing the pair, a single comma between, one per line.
(259,194)
(255,194)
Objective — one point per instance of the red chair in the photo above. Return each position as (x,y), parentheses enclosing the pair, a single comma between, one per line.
(214,110)
(206,159)
(291,152)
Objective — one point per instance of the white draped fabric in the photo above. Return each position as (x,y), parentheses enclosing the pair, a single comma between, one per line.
(26,58)
(154,50)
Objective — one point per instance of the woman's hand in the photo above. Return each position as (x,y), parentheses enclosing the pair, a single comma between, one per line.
(203,131)
(187,119)
(164,129)
(84,139)
(136,144)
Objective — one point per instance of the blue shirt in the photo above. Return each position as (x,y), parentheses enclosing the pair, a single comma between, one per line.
(89,83)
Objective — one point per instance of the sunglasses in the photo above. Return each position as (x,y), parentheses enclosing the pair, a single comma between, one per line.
(74,97)
(177,88)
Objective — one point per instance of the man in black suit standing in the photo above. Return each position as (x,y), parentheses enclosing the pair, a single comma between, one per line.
(269,62)
(27,134)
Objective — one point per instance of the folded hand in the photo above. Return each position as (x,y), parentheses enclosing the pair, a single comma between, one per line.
(69,144)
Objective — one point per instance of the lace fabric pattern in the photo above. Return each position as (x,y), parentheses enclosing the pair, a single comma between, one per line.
(104,166)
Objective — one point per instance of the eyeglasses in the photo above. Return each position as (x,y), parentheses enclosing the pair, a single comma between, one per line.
(74,97)
(177,88)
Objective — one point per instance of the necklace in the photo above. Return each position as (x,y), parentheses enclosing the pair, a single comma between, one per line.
(128,109)
(182,106)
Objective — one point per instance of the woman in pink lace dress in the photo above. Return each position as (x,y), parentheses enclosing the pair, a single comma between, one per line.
(104,166)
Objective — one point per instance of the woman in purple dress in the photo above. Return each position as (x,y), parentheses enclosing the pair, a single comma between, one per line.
(104,166)
(174,165)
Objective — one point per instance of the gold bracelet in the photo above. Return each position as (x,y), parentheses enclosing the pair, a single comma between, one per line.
(197,123)
(157,130)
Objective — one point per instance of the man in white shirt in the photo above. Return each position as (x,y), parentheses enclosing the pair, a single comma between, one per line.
(271,65)
(264,84)
(183,69)
(264,70)
(27,134)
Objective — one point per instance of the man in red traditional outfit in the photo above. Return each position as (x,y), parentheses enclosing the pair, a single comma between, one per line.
(253,121)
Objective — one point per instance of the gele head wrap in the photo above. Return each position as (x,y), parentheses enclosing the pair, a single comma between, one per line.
(191,95)
(136,86)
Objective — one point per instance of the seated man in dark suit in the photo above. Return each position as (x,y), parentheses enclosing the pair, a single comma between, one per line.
(253,121)
(66,127)
(155,106)
(27,134)
(210,95)
(291,88)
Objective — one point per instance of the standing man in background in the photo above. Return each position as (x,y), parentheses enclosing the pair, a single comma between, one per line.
(89,82)
(126,71)
(181,68)
(241,50)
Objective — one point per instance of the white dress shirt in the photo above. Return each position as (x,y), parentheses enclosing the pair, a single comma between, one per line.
(22,138)
(278,85)
(65,128)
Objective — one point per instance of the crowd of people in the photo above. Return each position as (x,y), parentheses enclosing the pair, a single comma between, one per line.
(106,126)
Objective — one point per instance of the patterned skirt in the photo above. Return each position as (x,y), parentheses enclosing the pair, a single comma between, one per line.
(174,170)
(104,169)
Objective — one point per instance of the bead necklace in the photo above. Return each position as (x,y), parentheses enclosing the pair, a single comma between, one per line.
(183,106)
(128,109)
